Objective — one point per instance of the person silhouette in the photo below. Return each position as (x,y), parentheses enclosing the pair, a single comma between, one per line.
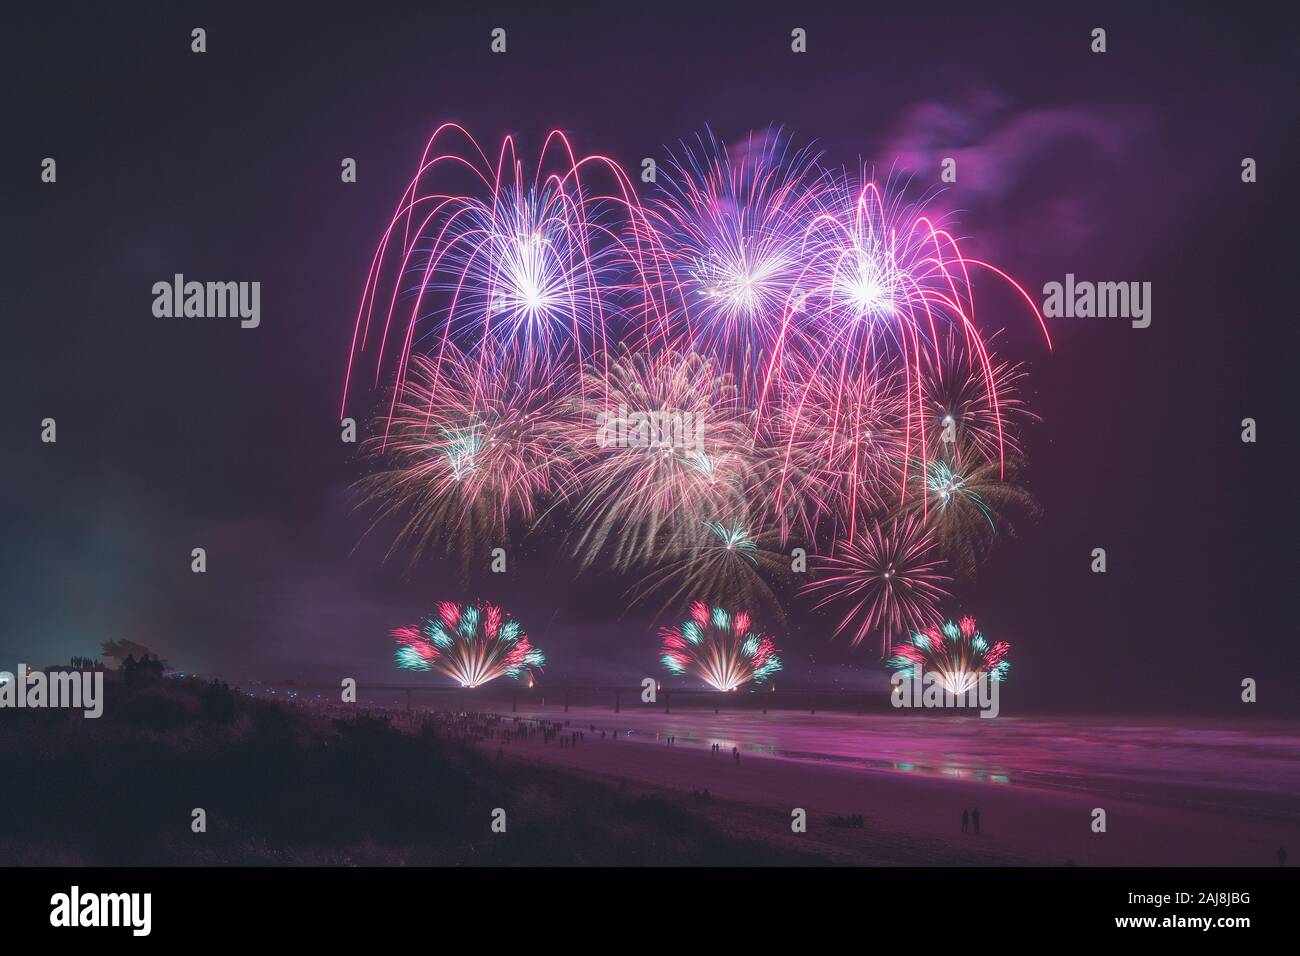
(975,820)
(965,820)
(1281,856)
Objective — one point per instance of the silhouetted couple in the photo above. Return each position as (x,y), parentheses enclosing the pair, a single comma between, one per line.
(970,818)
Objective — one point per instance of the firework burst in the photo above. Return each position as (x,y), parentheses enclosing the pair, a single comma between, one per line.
(972,408)
(956,654)
(767,352)
(730,223)
(830,454)
(881,284)
(472,644)
(466,455)
(500,264)
(729,563)
(665,450)
(966,506)
(719,647)
(889,579)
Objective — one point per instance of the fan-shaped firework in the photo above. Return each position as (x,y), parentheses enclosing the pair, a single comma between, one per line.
(719,647)
(472,644)
(465,453)
(888,579)
(956,654)
(966,506)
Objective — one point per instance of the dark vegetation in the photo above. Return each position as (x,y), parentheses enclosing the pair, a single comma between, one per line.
(289,784)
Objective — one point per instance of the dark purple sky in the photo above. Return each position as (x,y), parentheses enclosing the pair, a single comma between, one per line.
(175,434)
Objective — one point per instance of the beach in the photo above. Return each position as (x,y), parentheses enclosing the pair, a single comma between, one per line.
(1172,793)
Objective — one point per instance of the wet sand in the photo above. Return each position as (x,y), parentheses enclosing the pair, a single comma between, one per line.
(1173,794)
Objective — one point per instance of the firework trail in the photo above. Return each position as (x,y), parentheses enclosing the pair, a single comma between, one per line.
(480,256)
(956,654)
(720,648)
(472,644)
(888,579)
(830,453)
(880,286)
(466,455)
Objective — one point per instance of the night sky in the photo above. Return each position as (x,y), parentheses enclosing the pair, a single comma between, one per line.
(174,434)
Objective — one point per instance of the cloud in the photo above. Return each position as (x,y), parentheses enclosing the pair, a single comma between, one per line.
(1050,179)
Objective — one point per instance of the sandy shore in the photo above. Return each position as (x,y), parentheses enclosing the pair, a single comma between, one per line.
(915,819)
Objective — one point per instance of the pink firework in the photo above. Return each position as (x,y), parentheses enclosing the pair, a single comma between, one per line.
(831,453)
(730,221)
(483,257)
(472,644)
(665,448)
(720,647)
(881,286)
(956,654)
(468,454)
(766,351)
(972,409)
(888,579)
